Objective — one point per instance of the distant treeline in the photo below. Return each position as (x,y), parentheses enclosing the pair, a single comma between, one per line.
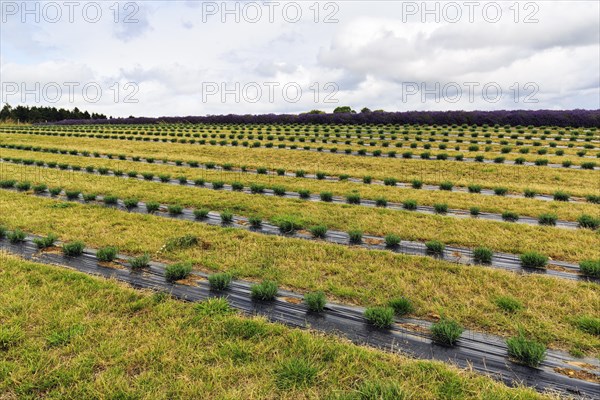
(574,118)
(35,114)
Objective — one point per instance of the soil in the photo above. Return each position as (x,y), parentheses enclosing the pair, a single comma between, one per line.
(190,281)
(110,264)
(413,327)
(293,300)
(578,374)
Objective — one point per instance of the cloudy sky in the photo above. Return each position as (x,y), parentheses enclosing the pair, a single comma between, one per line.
(154,58)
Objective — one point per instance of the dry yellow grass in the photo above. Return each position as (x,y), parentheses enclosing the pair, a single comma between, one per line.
(515,178)
(83,337)
(346,274)
(561,244)
(489,150)
(455,200)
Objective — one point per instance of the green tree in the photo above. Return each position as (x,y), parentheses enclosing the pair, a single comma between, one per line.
(344,110)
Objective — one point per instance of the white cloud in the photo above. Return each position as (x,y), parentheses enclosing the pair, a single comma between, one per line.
(371,54)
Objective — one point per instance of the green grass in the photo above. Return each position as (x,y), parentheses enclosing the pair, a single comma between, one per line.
(16,236)
(64,336)
(256,188)
(131,203)
(164,177)
(482,255)
(318,231)
(218,185)
(107,254)
(7,183)
(72,194)
(181,242)
(440,208)
(55,191)
(219,281)
(508,304)
(326,196)
(353,198)
(315,301)
(255,222)
(561,196)
(410,204)
(73,249)
(381,202)
(264,291)
(500,191)
(446,185)
(379,390)
(380,317)
(532,259)
(140,262)
(304,193)
(589,324)
(201,213)
(41,188)
(590,268)
(355,236)
(23,186)
(111,200)
(434,247)
(226,217)
(45,242)
(287,224)
(10,336)
(177,271)
(446,332)
(392,240)
(593,199)
(547,219)
(510,216)
(87,197)
(390,181)
(152,206)
(402,306)
(279,190)
(474,188)
(175,209)
(185,350)
(525,351)
(295,373)
(589,222)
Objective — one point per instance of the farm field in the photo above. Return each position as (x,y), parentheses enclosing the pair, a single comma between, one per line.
(96,349)
(476,229)
(546,180)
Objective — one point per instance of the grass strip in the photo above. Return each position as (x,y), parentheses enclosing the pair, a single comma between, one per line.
(345,274)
